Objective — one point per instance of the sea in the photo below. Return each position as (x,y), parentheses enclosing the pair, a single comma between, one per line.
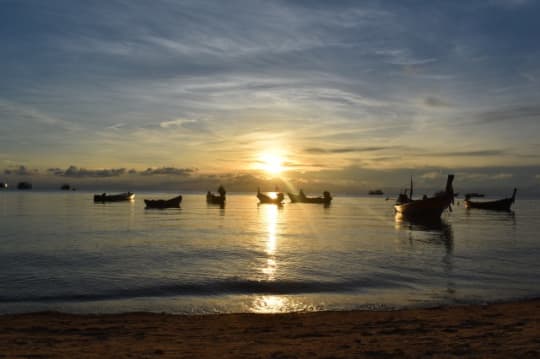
(61,251)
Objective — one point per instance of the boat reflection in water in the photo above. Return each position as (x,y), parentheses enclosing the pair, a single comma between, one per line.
(434,232)
(437,230)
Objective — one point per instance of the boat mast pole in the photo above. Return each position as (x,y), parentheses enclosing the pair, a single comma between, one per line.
(411,190)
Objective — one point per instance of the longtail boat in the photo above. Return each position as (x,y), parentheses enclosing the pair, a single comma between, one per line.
(302,198)
(498,205)
(104,197)
(216,199)
(163,203)
(263,198)
(426,208)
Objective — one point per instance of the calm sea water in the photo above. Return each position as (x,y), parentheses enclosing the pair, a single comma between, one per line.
(61,251)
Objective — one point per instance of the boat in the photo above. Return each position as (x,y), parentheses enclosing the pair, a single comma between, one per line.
(263,198)
(425,208)
(24,185)
(302,198)
(216,198)
(3,185)
(376,192)
(104,197)
(498,205)
(163,203)
(65,187)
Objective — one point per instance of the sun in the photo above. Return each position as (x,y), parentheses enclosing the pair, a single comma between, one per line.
(271,163)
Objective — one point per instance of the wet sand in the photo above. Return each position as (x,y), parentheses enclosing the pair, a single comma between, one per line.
(508,330)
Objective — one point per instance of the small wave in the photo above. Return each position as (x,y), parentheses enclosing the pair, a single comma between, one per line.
(224,287)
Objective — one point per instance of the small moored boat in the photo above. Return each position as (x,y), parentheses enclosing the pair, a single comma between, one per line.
(302,198)
(263,198)
(104,197)
(376,192)
(426,208)
(163,203)
(498,205)
(216,198)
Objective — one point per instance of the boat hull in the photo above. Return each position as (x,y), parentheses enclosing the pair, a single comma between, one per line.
(424,208)
(269,200)
(295,198)
(214,199)
(114,197)
(500,205)
(162,203)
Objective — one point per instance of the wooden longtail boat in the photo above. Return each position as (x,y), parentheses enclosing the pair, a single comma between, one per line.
(163,203)
(302,198)
(216,199)
(263,198)
(499,205)
(426,208)
(104,197)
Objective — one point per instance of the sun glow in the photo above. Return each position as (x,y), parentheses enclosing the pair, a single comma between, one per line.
(271,163)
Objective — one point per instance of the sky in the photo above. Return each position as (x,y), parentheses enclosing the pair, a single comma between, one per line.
(343,95)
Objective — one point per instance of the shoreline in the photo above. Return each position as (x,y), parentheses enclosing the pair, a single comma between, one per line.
(505,329)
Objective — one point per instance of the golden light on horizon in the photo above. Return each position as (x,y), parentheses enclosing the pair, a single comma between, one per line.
(272,163)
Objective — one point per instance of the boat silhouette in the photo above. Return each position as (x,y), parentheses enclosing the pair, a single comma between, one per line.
(498,205)
(302,198)
(216,198)
(104,197)
(266,199)
(427,207)
(163,203)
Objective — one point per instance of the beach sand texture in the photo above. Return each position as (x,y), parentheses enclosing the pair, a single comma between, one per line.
(506,330)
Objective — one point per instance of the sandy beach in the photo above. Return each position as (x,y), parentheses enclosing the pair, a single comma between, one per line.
(506,330)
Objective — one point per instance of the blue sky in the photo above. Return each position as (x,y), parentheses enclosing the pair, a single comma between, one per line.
(348,94)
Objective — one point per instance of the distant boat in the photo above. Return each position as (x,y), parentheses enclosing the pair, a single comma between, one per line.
(24,185)
(127,196)
(302,198)
(216,198)
(425,208)
(263,198)
(376,192)
(163,203)
(3,185)
(498,205)
(65,187)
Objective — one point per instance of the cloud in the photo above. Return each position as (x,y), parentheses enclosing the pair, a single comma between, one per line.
(503,176)
(320,150)
(21,171)
(435,102)
(171,171)
(510,113)
(478,153)
(432,175)
(75,172)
